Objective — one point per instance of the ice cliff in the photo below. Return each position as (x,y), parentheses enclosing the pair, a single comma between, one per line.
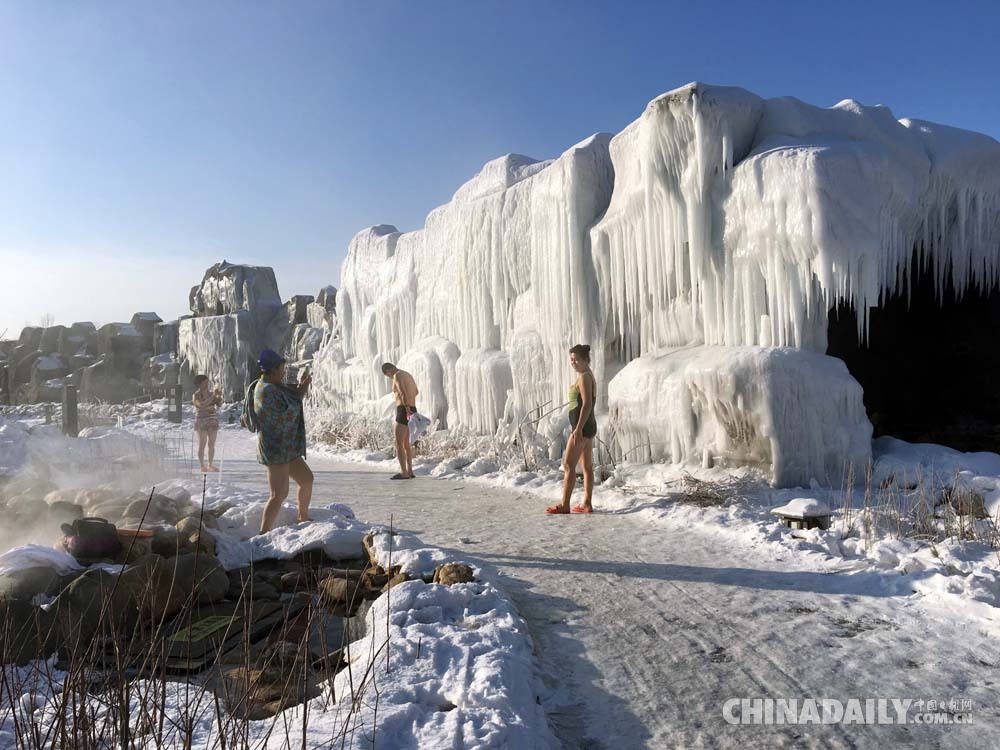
(714,228)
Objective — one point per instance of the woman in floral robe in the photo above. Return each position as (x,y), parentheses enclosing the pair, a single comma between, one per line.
(281,437)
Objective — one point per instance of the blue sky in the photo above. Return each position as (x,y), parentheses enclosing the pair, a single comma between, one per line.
(142,141)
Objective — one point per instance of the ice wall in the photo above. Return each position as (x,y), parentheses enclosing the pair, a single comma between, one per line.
(508,256)
(742,221)
(715,219)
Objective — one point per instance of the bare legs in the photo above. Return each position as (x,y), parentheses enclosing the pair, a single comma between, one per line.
(302,475)
(404,451)
(588,474)
(207,438)
(578,450)
(202,440)
(277,482)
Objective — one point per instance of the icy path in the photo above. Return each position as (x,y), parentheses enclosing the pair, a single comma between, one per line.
(643,631)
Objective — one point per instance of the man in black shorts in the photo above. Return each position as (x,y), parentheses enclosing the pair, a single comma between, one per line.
(404,388)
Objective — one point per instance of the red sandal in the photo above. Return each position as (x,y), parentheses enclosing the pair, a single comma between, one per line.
(557,510)
(581,509)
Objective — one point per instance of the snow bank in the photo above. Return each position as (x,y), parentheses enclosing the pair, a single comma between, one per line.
(460,675)
(796,415)
(37,556)
(238,543)
(408,553)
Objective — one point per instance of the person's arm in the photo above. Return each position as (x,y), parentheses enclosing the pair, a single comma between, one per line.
(584,384)
(409,390)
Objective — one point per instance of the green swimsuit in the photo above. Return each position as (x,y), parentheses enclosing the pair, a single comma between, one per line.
(575,404)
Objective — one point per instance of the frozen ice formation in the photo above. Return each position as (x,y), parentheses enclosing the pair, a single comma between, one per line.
(795,414)
(237,313)
(698,251)
(228,288)
(509,255)
(742,221)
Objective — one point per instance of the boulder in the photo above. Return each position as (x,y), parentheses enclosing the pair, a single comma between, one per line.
(104,381)
(227,288)
(257,694)
(24,364)
(89,498)
(80,339)
(318,316)
(280,329)
(327,297)
(189,525)
(26,632)
(161,587)
(168,542)
(397,579)
(92,603)
(124,346)
(452,573)
(161,509)
(63,512)
(160,371)
(255,588)
(29,485)
(27,583)
(31,336)
(204,542)
(145,323)
(178,494)
(165,337)
(303,342)
(133,551)
(27,509)
(49,341)
(334,591)
(296,581)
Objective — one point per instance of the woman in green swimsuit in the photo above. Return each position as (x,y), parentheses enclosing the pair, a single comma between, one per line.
(281,437)
(581,440)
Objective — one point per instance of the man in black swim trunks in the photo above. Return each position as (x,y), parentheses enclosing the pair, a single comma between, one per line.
(404,388)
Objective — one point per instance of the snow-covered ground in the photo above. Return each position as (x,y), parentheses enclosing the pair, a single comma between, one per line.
(643,629)
(871,530)
(647,616)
